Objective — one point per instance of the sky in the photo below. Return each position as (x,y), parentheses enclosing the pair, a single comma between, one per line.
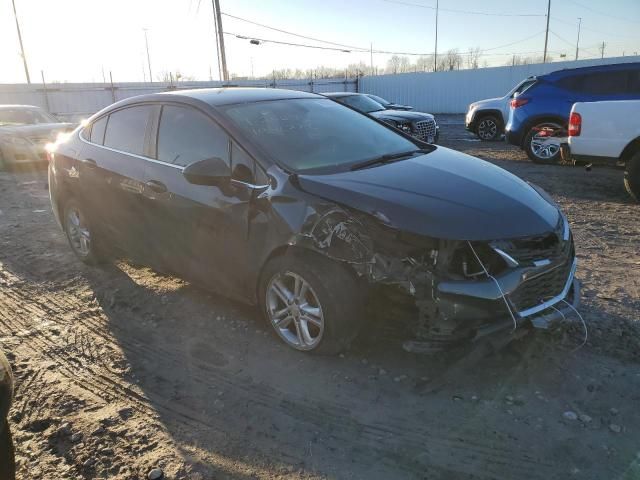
(78,40)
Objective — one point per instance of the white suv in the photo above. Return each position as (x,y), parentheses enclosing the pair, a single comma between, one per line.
(487,118)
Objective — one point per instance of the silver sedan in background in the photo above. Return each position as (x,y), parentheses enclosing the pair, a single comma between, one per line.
(25,131)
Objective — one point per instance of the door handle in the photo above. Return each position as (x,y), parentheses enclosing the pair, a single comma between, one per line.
(156,186)
(89,163)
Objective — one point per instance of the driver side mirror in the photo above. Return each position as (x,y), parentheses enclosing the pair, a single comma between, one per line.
(210,171)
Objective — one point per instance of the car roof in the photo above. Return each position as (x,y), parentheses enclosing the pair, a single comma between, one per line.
(341,94)
(592,69)
(232,95)
(25,107)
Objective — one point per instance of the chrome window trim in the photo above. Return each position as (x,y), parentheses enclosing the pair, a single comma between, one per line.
(554,300)
(142,157)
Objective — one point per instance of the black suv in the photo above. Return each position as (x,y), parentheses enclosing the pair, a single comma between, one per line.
(306,207)
(420,125)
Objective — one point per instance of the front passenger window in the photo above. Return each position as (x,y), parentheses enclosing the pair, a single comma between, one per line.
(186,136)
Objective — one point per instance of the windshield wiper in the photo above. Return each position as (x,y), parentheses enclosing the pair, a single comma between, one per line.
(389,157)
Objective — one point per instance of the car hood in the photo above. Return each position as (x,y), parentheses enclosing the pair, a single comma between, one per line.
(488,103)
(401,115)
(442,194)
(37,131)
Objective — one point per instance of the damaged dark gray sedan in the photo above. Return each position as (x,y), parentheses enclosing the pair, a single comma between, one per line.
(308,208)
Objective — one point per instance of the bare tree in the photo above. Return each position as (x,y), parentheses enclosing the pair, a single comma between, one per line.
(452,60)
(473,58)
(424,63)
(398,64)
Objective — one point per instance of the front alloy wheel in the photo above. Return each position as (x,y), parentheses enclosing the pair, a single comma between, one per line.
(295,311)
(487,129)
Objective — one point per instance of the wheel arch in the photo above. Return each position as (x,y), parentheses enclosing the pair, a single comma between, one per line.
(300,252)
(541,119)
(490,112)
(632,147)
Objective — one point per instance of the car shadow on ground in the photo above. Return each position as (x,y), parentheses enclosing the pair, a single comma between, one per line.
(221,381)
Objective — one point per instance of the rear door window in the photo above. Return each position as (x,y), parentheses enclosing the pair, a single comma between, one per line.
(606,83)
(186,135)
(127,128)
(634,82)
(97,130)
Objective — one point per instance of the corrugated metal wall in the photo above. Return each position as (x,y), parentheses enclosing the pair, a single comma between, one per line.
(453,91)
(74,101)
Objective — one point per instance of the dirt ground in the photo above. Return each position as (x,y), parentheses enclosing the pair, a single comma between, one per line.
(121,370)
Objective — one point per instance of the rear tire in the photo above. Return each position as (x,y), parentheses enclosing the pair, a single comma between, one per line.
(489,128)
(333,293)
(7,453)
(542,155)
(81,234)
(632,176)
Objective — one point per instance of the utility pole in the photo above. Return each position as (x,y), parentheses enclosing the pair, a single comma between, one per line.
(435,53)
(546,36)
(602,49)
(146,41)
(24,57)
(578,41)
(220,32)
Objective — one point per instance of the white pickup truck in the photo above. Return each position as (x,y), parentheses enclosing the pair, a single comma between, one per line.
(609,133)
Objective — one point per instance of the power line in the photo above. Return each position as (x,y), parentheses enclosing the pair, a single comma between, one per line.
(561,38)
(291,44)
(336,49)
(556,19)
(467,12)
(293,34)
(603,13)
(345,46)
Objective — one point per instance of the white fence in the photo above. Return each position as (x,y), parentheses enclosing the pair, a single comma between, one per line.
(453,91)
(74,101)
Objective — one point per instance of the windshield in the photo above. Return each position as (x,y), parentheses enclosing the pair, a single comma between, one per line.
(361,103)
(380,100)
(314,135)
(24,116)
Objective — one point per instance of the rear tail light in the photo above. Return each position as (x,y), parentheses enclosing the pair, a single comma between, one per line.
(575,124)
(518,102)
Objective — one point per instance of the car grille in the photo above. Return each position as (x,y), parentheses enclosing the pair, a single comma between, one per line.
(543,287)
(528,250)
(424,129)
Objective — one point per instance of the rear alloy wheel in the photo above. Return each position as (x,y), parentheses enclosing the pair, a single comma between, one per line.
(80,234)
(313,304)
(542,143)
(632,176)
(488,129)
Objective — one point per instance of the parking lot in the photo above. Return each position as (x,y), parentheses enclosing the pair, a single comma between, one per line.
(120,370)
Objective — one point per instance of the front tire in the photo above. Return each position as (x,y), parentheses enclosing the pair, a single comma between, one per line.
(632,176)
(489,128)
(7,454)
(81,234)
(537,147)
(313,304)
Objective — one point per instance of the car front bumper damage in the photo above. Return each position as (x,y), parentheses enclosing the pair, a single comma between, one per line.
(449,310)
